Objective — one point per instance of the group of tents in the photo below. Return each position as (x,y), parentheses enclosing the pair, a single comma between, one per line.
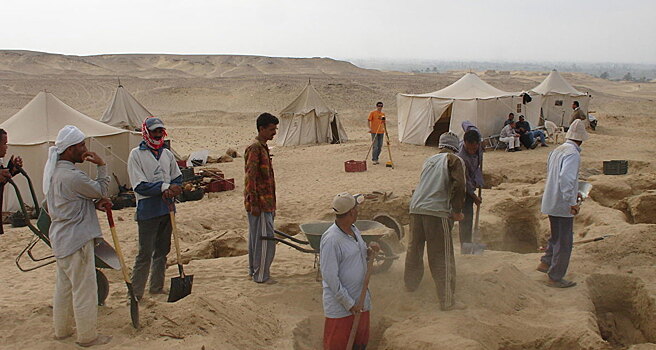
(34,128)
(422,118)
(306,120)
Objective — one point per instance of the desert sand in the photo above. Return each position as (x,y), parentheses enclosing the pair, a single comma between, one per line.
(212,103)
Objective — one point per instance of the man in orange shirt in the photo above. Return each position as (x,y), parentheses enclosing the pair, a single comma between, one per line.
(377,130)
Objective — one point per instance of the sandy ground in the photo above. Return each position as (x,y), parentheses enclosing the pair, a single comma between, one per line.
(509,307)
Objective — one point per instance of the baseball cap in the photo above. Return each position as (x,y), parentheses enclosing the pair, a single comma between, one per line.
(345,201)
(153,123)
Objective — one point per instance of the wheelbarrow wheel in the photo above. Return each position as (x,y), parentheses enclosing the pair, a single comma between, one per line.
(103,287)
(382,262)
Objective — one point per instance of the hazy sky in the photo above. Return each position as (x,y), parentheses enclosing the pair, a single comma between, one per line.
(525,30)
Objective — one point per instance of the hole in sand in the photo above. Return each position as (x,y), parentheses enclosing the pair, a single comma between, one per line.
(516,228)
(219,244)
(626,314)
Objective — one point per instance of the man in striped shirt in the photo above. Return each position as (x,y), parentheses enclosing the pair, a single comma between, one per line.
(437,201)
(260,200)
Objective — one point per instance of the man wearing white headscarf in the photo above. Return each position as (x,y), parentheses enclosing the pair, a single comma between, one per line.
(561,202)
(70,195)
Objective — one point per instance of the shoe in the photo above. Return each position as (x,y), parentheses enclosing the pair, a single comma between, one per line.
(269,281)
(375,162)
(535,144)
(517,149)
(560,284)
(510,150)
(542,267)
(100,340)
(545,145)
(455,306)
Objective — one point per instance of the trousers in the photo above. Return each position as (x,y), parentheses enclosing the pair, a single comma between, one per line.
(559,246)
(260,251)
(435,233)
(377,139)
(154,246)
(76,295)
(336,332)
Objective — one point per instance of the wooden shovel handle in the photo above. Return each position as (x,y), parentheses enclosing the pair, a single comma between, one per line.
(117,246)
(363,295)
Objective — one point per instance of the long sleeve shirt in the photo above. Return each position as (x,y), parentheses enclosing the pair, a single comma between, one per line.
(441,188)
(507,131)
(473,162)
(561,189)
(151,173)
(71,207)
(343,267)
(259,182)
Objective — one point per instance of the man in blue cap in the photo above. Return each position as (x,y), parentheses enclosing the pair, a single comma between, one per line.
(155,178)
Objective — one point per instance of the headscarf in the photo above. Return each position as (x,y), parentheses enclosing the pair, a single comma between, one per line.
(577,131)
(67,137)
(449,140)
(152,143)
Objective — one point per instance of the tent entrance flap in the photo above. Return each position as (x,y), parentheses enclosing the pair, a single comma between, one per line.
(334,131)
(441,126)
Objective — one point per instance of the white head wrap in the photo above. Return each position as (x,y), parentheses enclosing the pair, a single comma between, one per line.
(67,137)
(577,131)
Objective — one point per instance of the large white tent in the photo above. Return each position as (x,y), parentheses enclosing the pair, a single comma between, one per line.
(308,119)
(423,118)
(554,97)
(124,111)
(34,128)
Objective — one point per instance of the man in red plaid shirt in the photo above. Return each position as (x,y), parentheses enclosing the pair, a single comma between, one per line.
(260,200)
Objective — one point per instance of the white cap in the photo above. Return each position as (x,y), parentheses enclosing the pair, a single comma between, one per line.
(577,131)
(345,201)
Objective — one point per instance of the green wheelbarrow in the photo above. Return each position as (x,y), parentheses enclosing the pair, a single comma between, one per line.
(313,231)
(105,255)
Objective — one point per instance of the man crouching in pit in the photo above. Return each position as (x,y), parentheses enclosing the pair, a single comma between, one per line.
(343,268)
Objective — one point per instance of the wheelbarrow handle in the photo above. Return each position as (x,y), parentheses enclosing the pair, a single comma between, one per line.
(299,241)
(300,249)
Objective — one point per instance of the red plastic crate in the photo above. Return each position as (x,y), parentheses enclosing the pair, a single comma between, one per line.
(220,185)
(352,166)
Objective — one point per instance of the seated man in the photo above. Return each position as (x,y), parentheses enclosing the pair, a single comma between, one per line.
(511,118)
(523,128)
(537,135)
(510,137)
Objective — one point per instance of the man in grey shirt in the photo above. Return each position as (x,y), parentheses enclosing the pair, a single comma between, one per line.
(70,196)
(343,267)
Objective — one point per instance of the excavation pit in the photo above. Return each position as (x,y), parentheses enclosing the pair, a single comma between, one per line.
(626,314)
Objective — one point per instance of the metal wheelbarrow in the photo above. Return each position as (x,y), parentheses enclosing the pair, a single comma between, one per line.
(105,255)
(313,231)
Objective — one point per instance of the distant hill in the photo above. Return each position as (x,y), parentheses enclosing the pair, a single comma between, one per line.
(13,62)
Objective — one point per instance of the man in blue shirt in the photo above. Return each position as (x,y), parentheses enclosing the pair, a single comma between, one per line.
(156,180)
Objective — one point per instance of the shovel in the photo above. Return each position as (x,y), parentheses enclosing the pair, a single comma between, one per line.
(474,248)
(180,286)
(134,303)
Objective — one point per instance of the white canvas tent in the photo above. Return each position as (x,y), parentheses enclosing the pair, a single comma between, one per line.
(124,111)
(423,118)
(554,97)
(308,119)
(34,128)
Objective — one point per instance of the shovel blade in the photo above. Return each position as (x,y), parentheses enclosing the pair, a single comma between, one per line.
(473,248)
(180,287)
(134,307)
